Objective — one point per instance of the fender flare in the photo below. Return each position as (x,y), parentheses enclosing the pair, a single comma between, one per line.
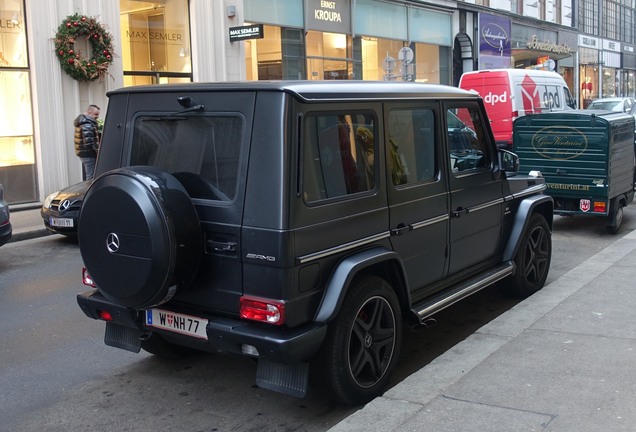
(343,275)
(543,204)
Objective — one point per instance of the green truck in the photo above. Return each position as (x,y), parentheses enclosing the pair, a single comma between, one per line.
(586,156)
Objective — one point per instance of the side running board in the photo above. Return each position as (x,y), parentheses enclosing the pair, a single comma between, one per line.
(458,292)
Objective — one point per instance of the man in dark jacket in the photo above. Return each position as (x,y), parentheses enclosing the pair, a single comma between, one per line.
(87,139)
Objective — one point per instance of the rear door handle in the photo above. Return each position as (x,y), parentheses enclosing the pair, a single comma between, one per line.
(218,246)
(401,229)
(459,212)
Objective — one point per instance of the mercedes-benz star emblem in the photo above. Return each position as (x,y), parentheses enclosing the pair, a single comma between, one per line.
(112,243)
(64,205)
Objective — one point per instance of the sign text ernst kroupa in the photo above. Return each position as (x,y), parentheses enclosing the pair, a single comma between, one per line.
(327,13)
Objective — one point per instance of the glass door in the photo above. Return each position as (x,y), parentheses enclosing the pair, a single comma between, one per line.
(155,42)
(329,56)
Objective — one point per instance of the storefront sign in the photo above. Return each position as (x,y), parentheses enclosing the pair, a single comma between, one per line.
(9,24)
(494,42)
(329,15)
(535,44)
(246,32)
(629,57)
(589,42)
(137,35)
(609,45)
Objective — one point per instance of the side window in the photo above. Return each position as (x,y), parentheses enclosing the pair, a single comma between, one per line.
(338,155)
(569,99)
(467,140)
(412,145)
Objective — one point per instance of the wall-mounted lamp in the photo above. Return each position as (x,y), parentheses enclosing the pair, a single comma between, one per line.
(231,11)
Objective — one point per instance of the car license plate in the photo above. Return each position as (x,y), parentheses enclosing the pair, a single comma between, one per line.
(178,323)
(61,222)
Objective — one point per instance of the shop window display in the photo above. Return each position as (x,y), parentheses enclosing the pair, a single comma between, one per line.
(155,42)
(329,56)
(17,154)
(278,56)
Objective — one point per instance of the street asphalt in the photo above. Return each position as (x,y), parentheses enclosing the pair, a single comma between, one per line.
(562,360)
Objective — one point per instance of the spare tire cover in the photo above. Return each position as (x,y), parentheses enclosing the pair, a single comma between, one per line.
(139,236)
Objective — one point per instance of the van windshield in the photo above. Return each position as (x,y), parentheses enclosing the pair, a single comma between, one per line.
(202,152)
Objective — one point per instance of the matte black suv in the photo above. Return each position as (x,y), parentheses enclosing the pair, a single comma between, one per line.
(302,223)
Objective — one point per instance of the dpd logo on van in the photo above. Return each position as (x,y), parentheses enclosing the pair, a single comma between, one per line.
(551,98)
(529,95)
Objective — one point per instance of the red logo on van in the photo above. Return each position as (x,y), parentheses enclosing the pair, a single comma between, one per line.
(585,205)
(530,95)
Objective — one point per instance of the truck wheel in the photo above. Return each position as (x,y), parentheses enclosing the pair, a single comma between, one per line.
(362,346)
(139,236)
(532,259)
(615,219)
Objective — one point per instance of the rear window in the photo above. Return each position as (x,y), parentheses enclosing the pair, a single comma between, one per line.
(202,152)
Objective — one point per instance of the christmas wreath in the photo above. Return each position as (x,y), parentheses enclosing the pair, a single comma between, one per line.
(78,67)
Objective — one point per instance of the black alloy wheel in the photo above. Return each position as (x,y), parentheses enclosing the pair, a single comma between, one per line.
(533,258)
(362,345)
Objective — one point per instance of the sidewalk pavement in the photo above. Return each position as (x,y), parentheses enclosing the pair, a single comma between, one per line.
(26,222)
(562,360)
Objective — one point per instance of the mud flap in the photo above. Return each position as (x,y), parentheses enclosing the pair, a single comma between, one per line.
(290,379)
(122,337)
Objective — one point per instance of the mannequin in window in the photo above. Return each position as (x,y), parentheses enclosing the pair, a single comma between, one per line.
(586,91)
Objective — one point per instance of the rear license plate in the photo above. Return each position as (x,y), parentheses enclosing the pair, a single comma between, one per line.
(61,222)
(178,323)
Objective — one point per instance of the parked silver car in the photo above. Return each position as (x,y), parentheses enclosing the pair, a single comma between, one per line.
(620,104)
(60,212)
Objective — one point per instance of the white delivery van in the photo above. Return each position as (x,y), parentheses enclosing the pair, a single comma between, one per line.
(512,93)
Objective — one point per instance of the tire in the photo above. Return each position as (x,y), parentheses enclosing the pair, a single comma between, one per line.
(155,344)
(532,260)
(139,236)
(362,346)
(615,219)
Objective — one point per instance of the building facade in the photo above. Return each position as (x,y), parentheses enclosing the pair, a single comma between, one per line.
(166,41)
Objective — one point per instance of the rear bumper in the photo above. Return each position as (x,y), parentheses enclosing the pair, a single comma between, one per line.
(224,334)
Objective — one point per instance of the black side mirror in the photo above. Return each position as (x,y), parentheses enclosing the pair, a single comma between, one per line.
(509,162)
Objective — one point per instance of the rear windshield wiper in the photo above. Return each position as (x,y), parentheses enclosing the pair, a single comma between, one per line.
(176,115)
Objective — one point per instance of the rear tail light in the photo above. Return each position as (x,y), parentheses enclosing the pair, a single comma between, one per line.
(105,315)
(87,279)
(599,206)
(262,310)
(515,114)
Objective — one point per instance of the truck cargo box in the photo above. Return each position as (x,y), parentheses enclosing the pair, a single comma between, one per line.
(586,156)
